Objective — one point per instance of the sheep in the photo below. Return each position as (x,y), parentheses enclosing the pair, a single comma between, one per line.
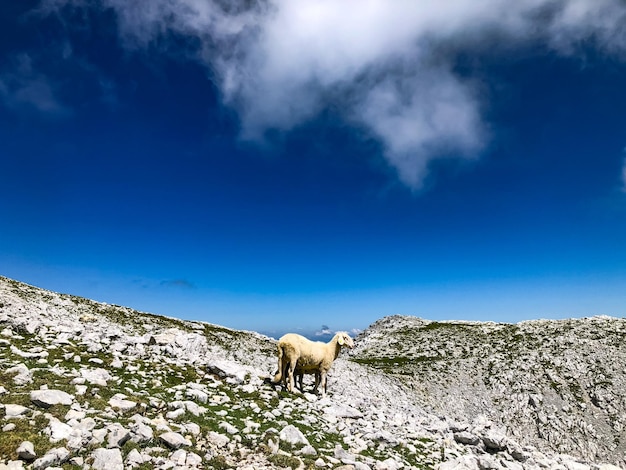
(296,353)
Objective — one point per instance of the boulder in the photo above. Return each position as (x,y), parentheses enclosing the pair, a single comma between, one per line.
(107,459)
(14,411)
(174,440)
(26,451)
(53,457)
(48,398)
(292,435)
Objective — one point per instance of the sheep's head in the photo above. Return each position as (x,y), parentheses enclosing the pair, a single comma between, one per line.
(344,339)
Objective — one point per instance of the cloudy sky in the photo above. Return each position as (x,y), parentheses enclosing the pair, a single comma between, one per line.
(287,164)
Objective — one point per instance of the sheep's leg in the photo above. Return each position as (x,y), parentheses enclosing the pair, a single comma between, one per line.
(317,381)
(323,383)
(300,377)
(285,374)
(292,367)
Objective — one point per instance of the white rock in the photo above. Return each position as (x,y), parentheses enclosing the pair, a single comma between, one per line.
(14,411)
(98,376)
(12,465)
(141,433)
(74,415)
(292,435)
(48,398)
(467,438)
(342,411)
(229,428)
(226,369)
(58,430)
(494,440)
(193,460)
(174,440)
(194,408)
(197,395)
(107,459)
(117,364)
(55,456)
(172,415)
(134,458)
(26,451)
(99,435)
(217,439)
(119,402)
(193,428)
(465,462)
(118,435)
(22,374)
(179,457)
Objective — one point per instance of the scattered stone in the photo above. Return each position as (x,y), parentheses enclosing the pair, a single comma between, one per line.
(119,402)
(174,440)
(141,433)
(48,398)
(467,438)
(22,374)
(229,428)
(134,458)
(26,451)
(14,411)
(494,441)
(107,459)
(343,411)
(99,377)
(58,430)
(56,456)
(12,465)
(292,435)
(118,435)
(217,439)
(183,375)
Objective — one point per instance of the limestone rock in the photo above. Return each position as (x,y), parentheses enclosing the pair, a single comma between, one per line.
(119,402)
(14,411)
(48,398)
(292,435)
(174,440)
(21,373)
(26,451)
(56,456)
(107,459)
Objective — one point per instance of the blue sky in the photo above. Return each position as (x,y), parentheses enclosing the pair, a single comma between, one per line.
(283,165)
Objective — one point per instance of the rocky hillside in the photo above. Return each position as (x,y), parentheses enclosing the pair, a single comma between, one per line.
(90,385)
(556,385)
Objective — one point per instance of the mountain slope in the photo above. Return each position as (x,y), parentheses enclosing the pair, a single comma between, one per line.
(90,385)
(558,385)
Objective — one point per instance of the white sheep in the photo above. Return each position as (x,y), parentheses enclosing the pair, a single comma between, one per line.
(298,355)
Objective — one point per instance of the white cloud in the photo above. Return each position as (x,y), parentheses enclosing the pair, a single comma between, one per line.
(280,62)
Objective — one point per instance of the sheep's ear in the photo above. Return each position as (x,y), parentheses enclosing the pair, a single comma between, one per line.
(341,341)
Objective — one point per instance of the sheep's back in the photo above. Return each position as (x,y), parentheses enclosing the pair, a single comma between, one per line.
(309,354)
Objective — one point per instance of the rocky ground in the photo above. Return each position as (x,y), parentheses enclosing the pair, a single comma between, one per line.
(90,385)
(557,385)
